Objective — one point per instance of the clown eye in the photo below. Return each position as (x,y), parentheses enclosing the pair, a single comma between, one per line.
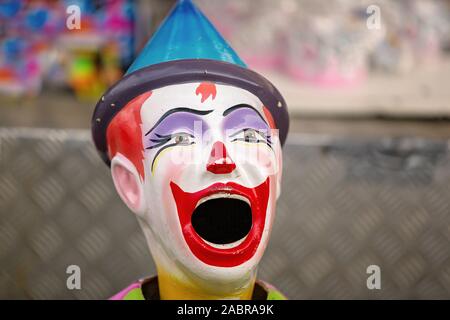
(174,139)
(183,138)
(250,135)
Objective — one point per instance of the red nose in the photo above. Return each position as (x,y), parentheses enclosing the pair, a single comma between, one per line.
(219,162)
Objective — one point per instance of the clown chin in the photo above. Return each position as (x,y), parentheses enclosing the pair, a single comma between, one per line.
(223,224)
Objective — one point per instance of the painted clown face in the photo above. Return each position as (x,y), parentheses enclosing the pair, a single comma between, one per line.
(207,189)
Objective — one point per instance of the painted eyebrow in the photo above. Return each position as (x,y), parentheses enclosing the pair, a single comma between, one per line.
(171,111)
(240,106)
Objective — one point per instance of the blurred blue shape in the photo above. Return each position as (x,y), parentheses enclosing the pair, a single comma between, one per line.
(36,19)
(9,8)
(12,49)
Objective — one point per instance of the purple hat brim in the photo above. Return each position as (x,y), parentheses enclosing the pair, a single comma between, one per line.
(184,71)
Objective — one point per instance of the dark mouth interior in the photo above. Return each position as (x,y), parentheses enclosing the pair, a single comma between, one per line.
(222,220)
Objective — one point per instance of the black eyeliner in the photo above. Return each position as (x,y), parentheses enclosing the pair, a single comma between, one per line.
(182,109)
(260,133)
(243,105)
(166,138)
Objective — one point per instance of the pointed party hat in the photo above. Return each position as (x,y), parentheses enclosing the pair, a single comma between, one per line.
(185,48)
(185,34)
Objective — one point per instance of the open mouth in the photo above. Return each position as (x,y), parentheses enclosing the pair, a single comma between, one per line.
(223,223)
(222,220)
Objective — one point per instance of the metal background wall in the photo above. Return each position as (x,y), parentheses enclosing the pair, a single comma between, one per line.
(345,204)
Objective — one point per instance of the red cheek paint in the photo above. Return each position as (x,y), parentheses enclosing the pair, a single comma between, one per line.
(124,133)
(206,90)
(269,117)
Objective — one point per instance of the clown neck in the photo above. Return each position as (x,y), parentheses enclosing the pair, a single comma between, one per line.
(176,282)
(172,287)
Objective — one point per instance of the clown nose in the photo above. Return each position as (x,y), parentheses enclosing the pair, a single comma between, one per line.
(219,162)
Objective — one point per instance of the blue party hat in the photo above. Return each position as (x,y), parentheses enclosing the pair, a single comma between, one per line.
(185,34)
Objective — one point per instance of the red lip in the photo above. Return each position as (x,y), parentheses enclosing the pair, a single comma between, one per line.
(186,203)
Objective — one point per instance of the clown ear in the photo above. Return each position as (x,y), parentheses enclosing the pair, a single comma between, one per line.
(128,183)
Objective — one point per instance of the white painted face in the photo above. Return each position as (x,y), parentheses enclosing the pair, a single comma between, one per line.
(212,166)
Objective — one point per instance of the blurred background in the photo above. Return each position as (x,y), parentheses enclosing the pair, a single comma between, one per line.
(366,164)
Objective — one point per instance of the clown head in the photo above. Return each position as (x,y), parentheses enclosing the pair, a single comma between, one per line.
(194,147)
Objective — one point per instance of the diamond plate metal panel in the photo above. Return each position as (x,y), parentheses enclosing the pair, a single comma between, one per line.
(346,204)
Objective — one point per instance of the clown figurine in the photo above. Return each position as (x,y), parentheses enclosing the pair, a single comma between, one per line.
(193,139)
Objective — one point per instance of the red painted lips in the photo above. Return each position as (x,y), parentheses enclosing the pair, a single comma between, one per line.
(186,203)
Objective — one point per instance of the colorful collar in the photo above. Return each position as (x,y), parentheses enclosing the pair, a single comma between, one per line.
(147,289)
